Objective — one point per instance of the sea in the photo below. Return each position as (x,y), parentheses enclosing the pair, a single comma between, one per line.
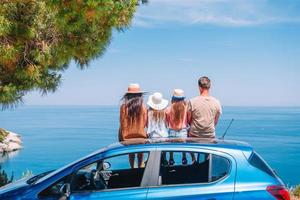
(54,136)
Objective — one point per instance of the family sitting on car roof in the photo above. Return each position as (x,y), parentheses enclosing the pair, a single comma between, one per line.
(194,118)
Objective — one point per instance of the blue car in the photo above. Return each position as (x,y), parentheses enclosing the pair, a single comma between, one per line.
(141,169)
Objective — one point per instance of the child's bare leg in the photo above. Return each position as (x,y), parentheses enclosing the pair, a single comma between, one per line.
(184,160)
(140,160)
(193,157)
(171,160)
(131,159)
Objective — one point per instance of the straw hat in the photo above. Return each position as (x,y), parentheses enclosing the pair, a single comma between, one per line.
(178,94)
(157,102)
(134,88)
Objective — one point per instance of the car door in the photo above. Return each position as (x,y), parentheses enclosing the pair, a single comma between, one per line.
(137,193)
(123,182)
(210,176)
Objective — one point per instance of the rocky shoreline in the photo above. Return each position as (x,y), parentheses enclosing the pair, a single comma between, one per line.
(9,141)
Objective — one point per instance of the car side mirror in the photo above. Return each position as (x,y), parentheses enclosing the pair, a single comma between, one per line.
(65,189)
(106,165)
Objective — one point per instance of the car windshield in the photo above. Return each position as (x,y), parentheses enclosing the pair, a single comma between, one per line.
(33,179)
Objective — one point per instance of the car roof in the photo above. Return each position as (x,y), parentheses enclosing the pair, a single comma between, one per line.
(183,142)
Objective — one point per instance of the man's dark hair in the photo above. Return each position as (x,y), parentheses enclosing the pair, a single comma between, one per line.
(204,82)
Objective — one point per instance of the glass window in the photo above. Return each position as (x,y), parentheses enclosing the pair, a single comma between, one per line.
(54,191)
(115,172)
(192,167)
(220,167)
(256,161)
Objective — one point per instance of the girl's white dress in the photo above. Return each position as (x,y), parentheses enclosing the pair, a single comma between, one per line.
(156,129)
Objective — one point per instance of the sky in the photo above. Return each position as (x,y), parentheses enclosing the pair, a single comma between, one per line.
(249,49)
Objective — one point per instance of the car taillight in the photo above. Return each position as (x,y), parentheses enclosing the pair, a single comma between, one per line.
(279,192)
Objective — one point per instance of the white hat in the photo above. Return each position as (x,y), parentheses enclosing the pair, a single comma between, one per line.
(156,101)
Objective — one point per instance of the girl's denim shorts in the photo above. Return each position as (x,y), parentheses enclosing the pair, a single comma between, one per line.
(178,133)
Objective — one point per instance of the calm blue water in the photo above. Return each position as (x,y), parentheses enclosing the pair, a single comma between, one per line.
(56,135)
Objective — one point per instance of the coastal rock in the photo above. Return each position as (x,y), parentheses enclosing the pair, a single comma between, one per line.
(11,142)
(12,138)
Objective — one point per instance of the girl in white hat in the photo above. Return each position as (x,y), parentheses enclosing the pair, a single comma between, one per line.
(157,125)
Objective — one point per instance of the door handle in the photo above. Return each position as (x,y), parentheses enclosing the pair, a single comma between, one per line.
(172,171)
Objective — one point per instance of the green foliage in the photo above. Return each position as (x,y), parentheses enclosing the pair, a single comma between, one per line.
(39,38)
(4,178)
(3,134)
(296,191)
(27,174)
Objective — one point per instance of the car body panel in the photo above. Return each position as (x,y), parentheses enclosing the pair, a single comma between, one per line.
(220,190)
(17,188)
(133,194)
(251,191)
(251,183)
(18,185)
(243,182)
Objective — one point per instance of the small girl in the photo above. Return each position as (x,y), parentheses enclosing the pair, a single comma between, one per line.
(178,121)
(157,125)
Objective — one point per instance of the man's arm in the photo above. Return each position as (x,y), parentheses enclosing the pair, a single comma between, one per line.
(189,112)
(217,118)
(189,117)
(219,112)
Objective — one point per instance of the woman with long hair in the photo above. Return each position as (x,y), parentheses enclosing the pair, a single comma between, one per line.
(178,121)
(133,119)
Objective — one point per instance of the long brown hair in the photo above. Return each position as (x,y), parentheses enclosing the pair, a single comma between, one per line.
(178,110)
(158,115)
(133,105)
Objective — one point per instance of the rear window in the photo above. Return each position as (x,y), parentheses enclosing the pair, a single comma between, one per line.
(256,161)
(220,167)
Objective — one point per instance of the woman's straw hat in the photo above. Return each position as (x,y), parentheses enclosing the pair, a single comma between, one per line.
(134,88)
(157,102)
(178,94)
